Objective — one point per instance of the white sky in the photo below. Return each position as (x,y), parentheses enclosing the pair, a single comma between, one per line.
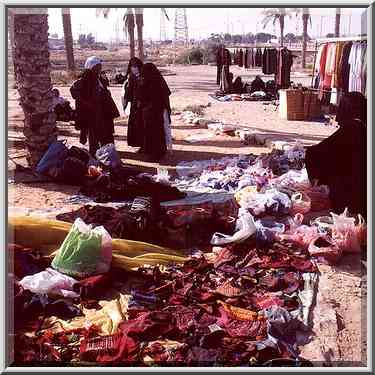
(204,21)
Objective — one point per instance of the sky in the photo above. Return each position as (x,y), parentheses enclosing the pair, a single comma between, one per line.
(204,21)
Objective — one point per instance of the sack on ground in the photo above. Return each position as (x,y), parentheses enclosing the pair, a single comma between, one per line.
(53,158)
(109,156)
(85,251)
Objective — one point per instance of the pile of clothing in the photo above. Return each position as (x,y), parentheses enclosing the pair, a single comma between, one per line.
(233,306)
(233,174)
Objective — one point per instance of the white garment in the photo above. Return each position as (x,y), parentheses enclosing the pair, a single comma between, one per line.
(167,130)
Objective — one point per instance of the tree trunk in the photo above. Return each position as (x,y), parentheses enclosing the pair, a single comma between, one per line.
(130,24)
(282,17)
(337,23)
(139,21)
(68,38)
(32,72)
(305,20)
(11,32)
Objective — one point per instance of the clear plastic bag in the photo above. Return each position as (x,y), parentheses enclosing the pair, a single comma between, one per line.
(50,282)
(85,251)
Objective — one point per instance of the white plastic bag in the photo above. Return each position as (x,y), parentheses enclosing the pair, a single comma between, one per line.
(245,228)
(50,282)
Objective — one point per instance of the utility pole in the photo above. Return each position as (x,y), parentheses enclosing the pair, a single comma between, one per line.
(180,26)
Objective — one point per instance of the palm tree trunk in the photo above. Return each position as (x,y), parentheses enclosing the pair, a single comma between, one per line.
(282,19)
(68,38)
(139,21)
(130,25)
(305,20)
(11,32)
(32,72)
(337,23)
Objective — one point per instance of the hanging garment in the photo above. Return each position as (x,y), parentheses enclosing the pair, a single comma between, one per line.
(344,67)
(322,69)
(284,64)
(339,51)
(244,58)
(269,65)
(224,80)
(251,58)
(247,59)
(364,71)
(240,59)
(258,57)
(355,67)
(330,65)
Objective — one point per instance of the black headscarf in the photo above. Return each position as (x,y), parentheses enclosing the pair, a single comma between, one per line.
(353,106)
(134,61)
(151,74)
(153,88)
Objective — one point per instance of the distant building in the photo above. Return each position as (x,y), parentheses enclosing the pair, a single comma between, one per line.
(56,43)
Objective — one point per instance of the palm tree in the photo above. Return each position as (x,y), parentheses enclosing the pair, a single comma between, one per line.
(68,38)
(337,23)
(129,26)
(306,17)
(139,21)
(11,33)
(128,23)
(32,73)
(274,15)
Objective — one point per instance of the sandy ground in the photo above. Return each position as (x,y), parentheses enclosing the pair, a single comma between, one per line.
(341,288)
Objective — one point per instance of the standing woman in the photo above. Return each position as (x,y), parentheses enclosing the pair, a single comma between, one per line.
(95,107)
(135,125)
(153,94)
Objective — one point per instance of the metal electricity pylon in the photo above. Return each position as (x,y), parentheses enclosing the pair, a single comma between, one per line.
(163,33)
(180,26)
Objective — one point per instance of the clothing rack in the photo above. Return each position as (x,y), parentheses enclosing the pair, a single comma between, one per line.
(320,41)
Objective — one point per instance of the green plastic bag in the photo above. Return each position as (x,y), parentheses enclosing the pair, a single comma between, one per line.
(85,251)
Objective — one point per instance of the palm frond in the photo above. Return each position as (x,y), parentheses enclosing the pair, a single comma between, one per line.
(103,11)
(163,10)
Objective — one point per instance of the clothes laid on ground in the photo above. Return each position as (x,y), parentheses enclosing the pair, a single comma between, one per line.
(204,312)
(244,302)
(95,111)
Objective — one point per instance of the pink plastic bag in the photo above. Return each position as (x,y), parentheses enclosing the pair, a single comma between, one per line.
(324,248)
(301,203)
(348,235)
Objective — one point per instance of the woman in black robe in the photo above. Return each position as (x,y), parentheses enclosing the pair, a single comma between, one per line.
(153,95)
(135,125)
(95,108)
(340,160)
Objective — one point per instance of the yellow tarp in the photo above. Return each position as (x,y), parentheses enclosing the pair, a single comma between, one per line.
(46,236)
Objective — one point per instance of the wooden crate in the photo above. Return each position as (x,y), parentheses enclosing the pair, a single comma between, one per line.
(312,106)
(291,104)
